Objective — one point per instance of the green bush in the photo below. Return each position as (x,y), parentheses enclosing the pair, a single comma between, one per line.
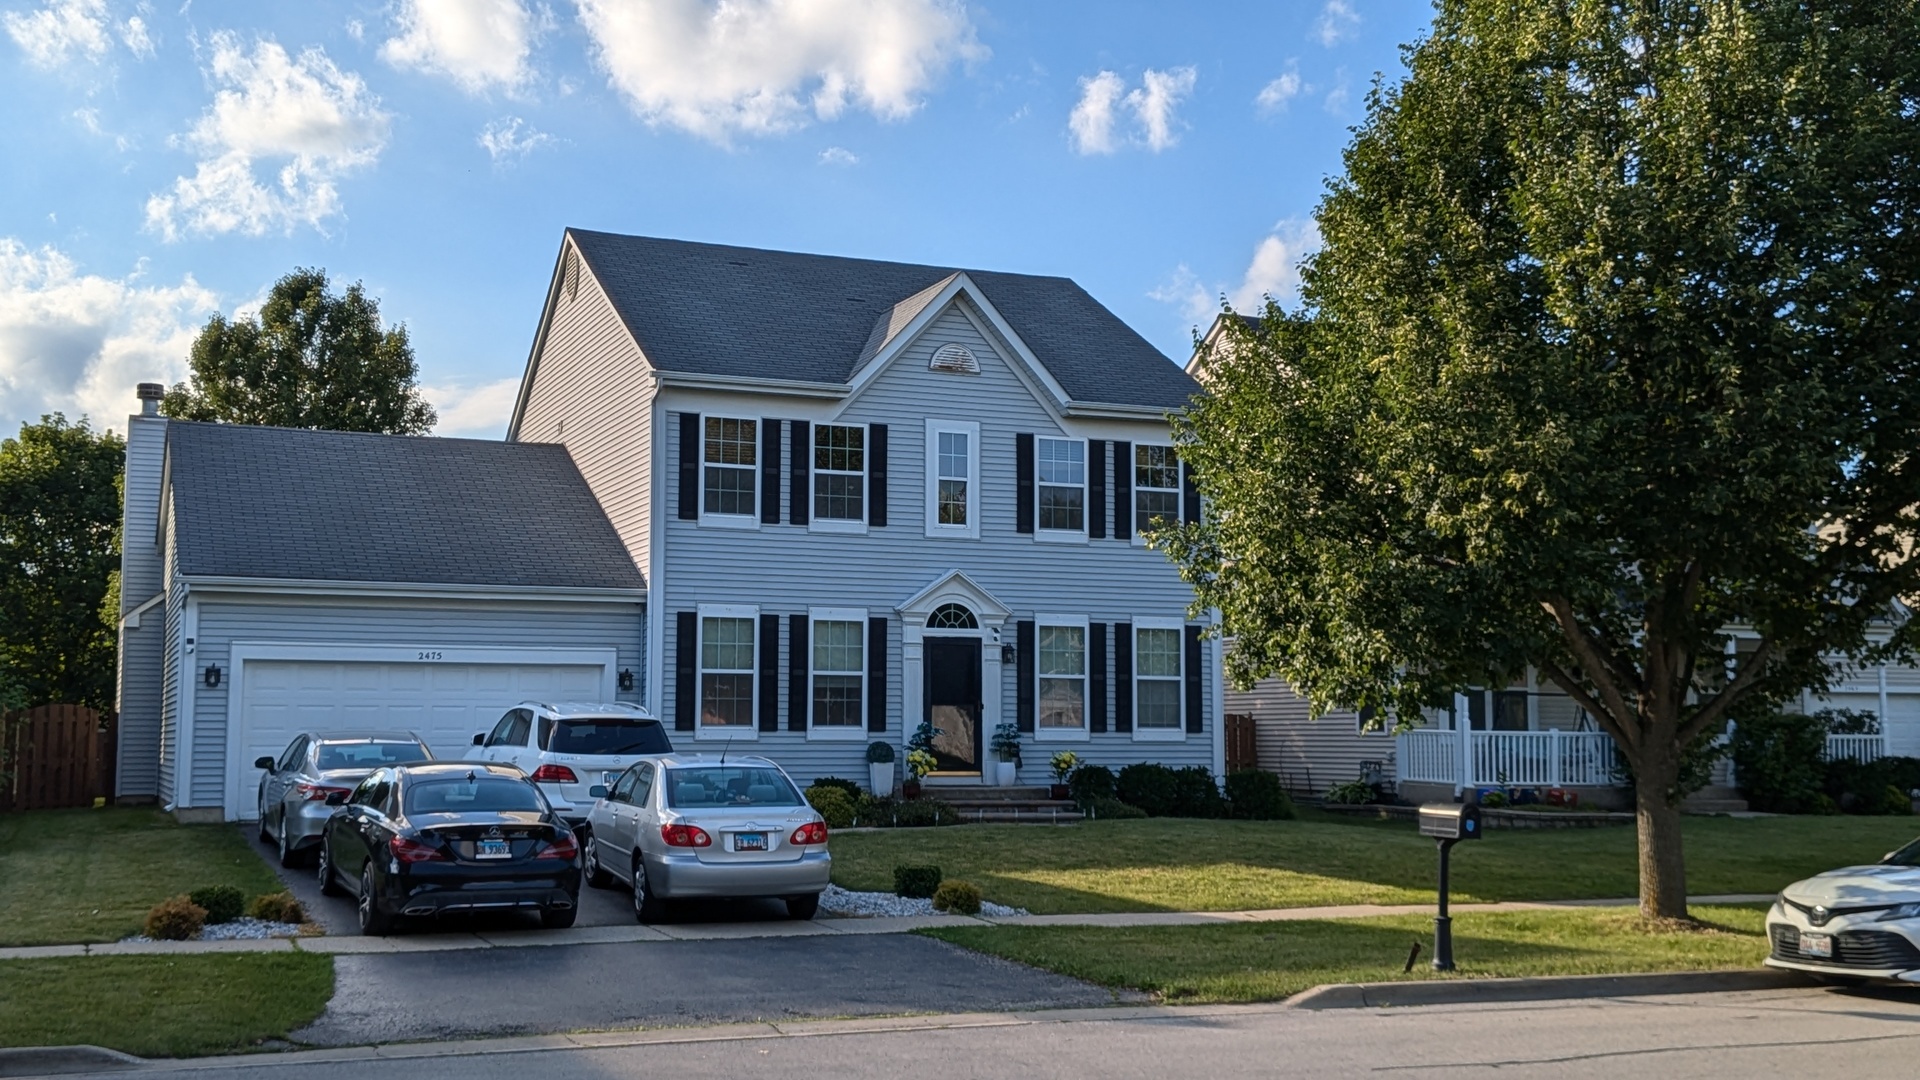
(1163,792)
(879,753)
(833,805)
(222,903)
(1859,787)
(1351,793)
(1776,759)
(853,790)
(1256,795)
(872,811)
(277,907)
(916,882)
(957,897)
(1090,782)
(1109,809)
(922,813)
(1895,802)
(175,919)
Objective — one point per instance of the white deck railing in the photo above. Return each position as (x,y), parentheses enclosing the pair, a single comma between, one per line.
(1862,748)
(1522,758)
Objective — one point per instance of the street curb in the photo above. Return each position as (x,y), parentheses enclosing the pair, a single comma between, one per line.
(1543,988)
(55,1060)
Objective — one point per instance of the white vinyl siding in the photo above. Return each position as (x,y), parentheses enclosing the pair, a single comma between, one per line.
(728,635)
(1062,672)
(729,477)
(1156,488)
(839,673)
(953,484)
(1060,466)
(1159,692)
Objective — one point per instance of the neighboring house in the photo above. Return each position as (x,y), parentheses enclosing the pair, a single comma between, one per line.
(792,503)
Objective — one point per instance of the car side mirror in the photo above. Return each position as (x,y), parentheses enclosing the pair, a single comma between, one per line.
(479,740)
(336,798)
(263,763)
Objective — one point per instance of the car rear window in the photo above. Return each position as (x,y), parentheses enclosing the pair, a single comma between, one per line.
(608,735)
(485,794)
(369,755)
(729,785)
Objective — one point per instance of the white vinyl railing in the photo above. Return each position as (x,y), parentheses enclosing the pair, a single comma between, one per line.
(1861,748)
(1523,758)
(1428,756)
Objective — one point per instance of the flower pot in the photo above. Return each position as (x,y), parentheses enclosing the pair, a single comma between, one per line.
(880,777)
(1058,791)
(910,789)
(1005,773)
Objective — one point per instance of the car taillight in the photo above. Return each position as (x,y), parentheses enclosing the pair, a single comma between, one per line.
(685,836)
(319,792)
(413,850)
(813,832)
(563,848)
(554,774)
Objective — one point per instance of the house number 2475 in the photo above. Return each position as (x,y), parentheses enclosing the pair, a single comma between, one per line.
(433,654)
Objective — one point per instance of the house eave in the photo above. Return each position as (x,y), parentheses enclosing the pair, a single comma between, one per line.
(214,583)
(1106,411)
(694,380)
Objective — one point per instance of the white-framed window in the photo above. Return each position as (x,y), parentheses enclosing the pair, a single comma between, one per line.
(840,475)
(1060,477)
(839,673)
(1159,687)
(729,471)
(1156,488)
(1061,669)
(728,671)
(953,478)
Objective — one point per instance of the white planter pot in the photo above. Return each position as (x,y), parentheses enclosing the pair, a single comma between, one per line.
(1005,773)
(880,777)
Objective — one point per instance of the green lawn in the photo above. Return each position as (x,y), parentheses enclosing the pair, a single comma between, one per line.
(90,875)
(1185,865)
(1269,961)
(162,1006)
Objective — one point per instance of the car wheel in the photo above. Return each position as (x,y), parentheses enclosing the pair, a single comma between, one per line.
(803,907)
(647,907)
(557,919)
(597,876)
(328,886)
(288,856)
(373,921)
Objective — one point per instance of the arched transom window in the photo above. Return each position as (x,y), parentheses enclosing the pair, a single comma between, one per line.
(952,617)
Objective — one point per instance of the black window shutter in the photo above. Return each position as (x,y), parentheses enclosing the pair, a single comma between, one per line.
(769,472)
(798,697)
(1123,491)
(799,498)
(1189,495)
(877,476)
(877,674)
(1097,488)
(1097,677)
(769,673)
(689,466)
(1192,665)
(1023,650)
(1023,465)
(686,643)
(1122,677)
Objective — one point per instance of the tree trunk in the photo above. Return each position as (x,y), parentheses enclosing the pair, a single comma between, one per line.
(1663,868)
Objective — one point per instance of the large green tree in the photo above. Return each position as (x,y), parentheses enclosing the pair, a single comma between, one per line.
(311,358)
(59,549)
(1612,345)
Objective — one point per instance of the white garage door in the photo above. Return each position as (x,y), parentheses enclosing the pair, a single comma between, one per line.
(446,703)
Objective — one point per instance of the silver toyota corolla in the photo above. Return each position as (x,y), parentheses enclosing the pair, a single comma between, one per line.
(294,787)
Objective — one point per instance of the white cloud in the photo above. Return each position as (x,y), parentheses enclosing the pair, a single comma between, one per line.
(475,411)
(1336,100)
(1160,93)
(1091,122)
(1091,126)
(1336,23)
(1274,96)
(838,155)
(133,34)
(356,29)
(1273,271)
(321,122)
(760,67)
(510,138)
(479,44)
(78,343)
(62,29)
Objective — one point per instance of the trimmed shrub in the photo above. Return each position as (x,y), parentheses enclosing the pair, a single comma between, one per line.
(1351,793)
(1896,803)
(873,811)
(922,813)
(833,805)
(1108,809)
(175,919)
(853,790)
(1090,782)
(1860,787)
(1164,792)
(1256,795)
(879,753)
(277,907)
(916,882)
(222,903)
(1777,760)
(958,897)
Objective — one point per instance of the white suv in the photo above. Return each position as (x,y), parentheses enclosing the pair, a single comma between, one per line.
(573,751)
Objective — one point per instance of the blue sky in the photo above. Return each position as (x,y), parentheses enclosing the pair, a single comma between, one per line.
(165,160)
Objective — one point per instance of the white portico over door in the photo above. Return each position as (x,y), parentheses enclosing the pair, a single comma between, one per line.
(946,629)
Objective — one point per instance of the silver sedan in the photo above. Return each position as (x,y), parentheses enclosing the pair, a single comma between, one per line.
(294,786)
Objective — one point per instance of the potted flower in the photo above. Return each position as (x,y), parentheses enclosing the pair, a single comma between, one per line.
(880,768)
(1062,763)
(1006,746)
(919,764)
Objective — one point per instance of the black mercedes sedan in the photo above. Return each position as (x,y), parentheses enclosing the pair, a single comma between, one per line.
(436,837)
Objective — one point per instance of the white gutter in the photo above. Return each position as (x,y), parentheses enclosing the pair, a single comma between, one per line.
(323,587)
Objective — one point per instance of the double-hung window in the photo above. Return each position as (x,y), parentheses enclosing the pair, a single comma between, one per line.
(1156,488)
(1060,468)
(727,670)
(1157,679)
(839,673)
(953,488)
(840,473)
(729,461)
(1062,671)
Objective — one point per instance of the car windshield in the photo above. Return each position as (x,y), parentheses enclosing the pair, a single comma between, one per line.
(729,785)
(369,755)
(466,794)
(1906,856)
(608,735)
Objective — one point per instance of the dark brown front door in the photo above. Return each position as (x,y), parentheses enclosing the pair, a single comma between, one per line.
(953,701)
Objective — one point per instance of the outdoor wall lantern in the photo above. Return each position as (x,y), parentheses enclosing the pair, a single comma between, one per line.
(626,678)
(1006,654)
(213,675)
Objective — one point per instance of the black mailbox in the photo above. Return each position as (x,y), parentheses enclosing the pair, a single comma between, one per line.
(1450,821)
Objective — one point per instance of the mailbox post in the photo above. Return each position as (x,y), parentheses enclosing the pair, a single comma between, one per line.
(1447,823)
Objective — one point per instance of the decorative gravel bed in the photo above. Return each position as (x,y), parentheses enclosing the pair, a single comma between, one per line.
(237,930)
(839,901)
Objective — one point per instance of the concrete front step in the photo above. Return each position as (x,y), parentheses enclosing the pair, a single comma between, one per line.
(1020,815)
(983,795)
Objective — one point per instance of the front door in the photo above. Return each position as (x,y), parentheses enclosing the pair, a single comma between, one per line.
(953,702)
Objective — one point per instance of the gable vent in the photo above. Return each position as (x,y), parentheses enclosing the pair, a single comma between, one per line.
(955,358)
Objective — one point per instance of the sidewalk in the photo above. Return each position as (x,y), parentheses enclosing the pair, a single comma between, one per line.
(601,935)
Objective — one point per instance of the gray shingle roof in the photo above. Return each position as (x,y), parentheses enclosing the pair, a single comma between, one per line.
(752,314)
(284,503)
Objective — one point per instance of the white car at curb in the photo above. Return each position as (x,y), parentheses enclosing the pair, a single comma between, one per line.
(1855,924)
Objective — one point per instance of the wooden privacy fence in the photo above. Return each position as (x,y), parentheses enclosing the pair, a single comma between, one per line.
(1242,750)
(55,756)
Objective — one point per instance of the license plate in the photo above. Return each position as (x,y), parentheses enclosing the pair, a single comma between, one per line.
(608,778)
(749,841)
(1817,945)
(492,849)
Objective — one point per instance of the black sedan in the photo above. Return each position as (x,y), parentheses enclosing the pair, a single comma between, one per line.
(437,837)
